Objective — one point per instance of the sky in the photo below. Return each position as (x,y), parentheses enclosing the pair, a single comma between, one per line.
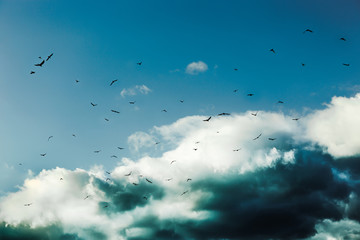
(142,163)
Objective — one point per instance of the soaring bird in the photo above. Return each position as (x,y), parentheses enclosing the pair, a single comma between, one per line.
(77,81)
(235,69)
(206,120)
(236,150)
(148,180)
(49,56)
(195,149)
(254,114)
(108,172)
(346,64)
(120,148)
(157,143)
(113,156)
(308,30)
(145,198)
(40,64)
(184,193)
(223,114)
(342,39)
(61,179)
(295,119)
(106,206)
(107,179)
(139,63)
(173,161)
(272,50)
(73,135)
(93,104)
(126,175)
(258,136)
(27,204)
(114,111)
(236,90)
(250,94)
(106,119)
(189,179)
(32,72)
(50,137)
(164,110)
(87,197)
(182,101)
(135,184)
(43,154)
(168,179)
(97,151)
(272,139)
(113,81)
(303,64)
(280,101)
(133,102)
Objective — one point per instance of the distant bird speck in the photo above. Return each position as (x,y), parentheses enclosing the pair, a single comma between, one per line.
(258,136)
(50,137)
(308,30)
(139,63)
(148,180)
(272,50)
(206,120)
(93,104)
(40,64)
(346,64)
(32,72)
(43,154)
(114,111)
(272,139)
(47,59)
(250,94)
(342,39)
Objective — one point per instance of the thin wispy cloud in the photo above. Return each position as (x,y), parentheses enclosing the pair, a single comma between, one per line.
(138,89)
(195,68)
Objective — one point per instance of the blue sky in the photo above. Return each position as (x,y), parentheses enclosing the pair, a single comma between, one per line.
(96,42)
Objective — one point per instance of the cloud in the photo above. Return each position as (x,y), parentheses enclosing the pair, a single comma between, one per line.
(289,188)
(142,89)
(196,68)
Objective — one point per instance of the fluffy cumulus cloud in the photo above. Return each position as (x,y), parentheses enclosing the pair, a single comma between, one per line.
(138,89)
(233,177)
(196,68)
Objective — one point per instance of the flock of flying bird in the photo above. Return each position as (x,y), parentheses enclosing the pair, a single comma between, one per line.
(164,110)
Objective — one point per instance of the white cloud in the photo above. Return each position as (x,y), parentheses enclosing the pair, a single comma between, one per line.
(143,89)
(139,140)
(196,67)
(337,230)
(337,127)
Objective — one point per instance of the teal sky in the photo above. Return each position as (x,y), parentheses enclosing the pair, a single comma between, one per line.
(97,42)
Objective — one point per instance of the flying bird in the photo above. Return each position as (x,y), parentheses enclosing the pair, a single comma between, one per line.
(157,143)
(106,119)
(236,90)
(346,64)
(87,197)
(132,102)
(206,120)
(32,72)
(295,119)
(135,184)
(97,151)
(40,64)
(93,104)
(61,179)
(272,50)
(235,69)
(47,59)
(168,179)
(114,111)
(195,149)
(113,81)
(254,114)
(280,101)
(107,179)
(303,64)
(148,180)
(73,135)
(189,179)
(43,154)
(145,198)
(114,156)
(272,139)
(120,148)
(106,206)
(236,150)
(164,110)
(258,136)
(308,30)
(184,193)
(108,172)
(126,175)
(50,137)
(223,114)
(172,161)
(77,81)
(27,204)
(139,63)
(250,94)
(342,39)
(182,101)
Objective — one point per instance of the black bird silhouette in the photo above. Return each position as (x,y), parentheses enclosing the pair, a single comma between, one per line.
(27,204)
(50,137)
(235,69)
(43,154)
(258,136)
(49,56)
(346,64)
(157,143)
(113,81)
(197,142)
(77,81)
(40,64)
(107,179)
(182,101)
(295,119)
(145,198)
(173,161)
(168,179)
(272,50)
(164,110)
(236,150)
(148,180)
(61,179)
(106,206)
(280,101)
(93,104)
(254,114)
(32,72)
(195,149)
(114,111)
(184,193)
(272,139)
(106,119)
(236,90)
(135,184)
(223,114)
(342,39)
(189,179)
(114,156)
(20,164)
(87,197)
(108,172)
(303,64)
(139,63)
(132,102)
(308,30)
(120,148)
(97,151)
(250,94)
(73,135)
(206,120)
(126,175)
